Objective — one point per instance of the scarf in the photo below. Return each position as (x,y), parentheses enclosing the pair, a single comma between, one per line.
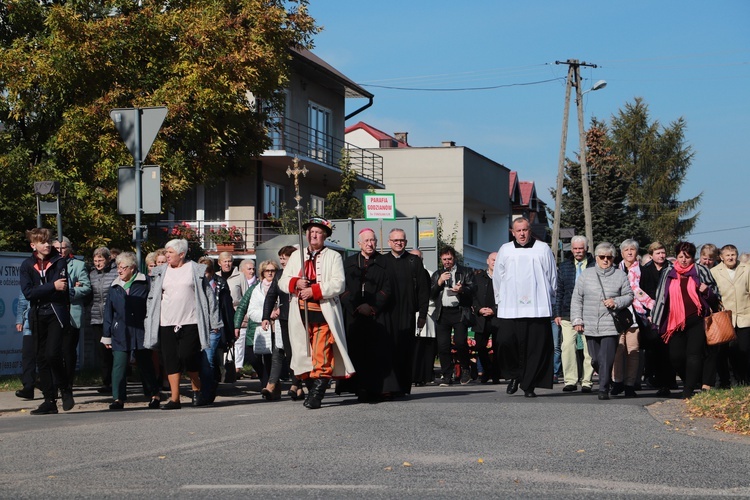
(127,285)
(676,318)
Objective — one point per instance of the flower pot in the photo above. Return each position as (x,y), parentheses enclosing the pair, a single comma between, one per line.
(225,248)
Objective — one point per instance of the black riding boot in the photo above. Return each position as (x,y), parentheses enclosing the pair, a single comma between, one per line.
(317,393)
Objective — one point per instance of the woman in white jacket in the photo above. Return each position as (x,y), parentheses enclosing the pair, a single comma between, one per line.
(599,291)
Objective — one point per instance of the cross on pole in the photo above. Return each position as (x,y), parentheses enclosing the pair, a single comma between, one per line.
(295,172)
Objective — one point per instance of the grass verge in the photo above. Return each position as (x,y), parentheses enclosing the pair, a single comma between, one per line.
(730,406)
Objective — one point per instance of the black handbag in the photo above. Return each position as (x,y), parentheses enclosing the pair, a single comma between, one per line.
(230,369)
(622,317)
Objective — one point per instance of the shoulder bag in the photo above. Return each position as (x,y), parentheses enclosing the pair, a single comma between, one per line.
(719,327)
(622,317)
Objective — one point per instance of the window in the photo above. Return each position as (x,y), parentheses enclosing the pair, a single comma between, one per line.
(214,202)
(317,205)
(471,233)
(187,207)
(273,196)
(319,121)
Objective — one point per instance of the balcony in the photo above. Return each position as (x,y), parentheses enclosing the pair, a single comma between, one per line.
(297,139)
(254,232)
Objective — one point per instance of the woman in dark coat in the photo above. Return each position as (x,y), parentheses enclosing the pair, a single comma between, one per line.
(123,332)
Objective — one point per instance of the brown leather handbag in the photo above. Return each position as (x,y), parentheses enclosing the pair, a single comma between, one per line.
(719,328)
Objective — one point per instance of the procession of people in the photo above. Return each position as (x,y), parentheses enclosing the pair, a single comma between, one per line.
(374,324)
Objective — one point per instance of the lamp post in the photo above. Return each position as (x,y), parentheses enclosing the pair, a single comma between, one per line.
(573,79)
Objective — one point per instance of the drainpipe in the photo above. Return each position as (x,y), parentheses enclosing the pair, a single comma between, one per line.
(354,113)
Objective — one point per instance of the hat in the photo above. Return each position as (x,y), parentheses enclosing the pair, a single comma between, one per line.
(320,222)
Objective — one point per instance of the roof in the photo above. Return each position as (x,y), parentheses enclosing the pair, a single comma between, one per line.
(512,180)
(375,133)
(318,65)
(528,191)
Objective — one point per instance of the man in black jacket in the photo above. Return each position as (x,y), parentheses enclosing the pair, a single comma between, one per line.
(486,327)
(44,283)
(452,291)
(566,282)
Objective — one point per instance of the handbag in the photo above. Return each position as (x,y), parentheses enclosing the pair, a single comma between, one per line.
(230,369)
(622,317)
(719,327)
(262,341)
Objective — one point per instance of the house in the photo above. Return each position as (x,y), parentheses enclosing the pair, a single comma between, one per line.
(310,128)
(525,203)
(467,190)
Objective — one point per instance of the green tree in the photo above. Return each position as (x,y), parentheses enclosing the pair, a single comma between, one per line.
(343,204)
(65,64)
(657,160)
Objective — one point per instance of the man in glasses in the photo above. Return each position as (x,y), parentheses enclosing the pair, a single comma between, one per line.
(79,286)
(411,295)
(525,281)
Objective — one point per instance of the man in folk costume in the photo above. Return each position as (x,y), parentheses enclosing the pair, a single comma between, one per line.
(525,280)
(318,351)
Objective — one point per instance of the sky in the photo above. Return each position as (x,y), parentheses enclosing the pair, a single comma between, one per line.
(685,58)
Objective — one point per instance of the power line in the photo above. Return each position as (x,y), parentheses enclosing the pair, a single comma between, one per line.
(462,89)
(722,230)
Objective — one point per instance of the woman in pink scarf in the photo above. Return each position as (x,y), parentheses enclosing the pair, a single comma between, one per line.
(682,301)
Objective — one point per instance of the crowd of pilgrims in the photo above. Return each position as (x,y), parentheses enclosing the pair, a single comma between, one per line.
(386,317)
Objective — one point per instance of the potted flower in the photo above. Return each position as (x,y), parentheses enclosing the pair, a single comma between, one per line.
(225,238)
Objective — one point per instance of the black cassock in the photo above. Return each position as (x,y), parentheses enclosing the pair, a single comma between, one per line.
(369,343)
(411,295)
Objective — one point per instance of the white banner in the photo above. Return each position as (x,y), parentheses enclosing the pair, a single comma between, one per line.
(10,339)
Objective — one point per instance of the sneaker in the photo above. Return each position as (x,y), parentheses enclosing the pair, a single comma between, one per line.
(445,382)
(465,377)
(67,400)
(46,408)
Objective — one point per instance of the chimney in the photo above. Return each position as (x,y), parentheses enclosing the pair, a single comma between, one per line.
(401,136)
(449,144)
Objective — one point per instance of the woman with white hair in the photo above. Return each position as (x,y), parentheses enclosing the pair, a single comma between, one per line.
(627,358)
(123,330)
(599,291)
(182,313)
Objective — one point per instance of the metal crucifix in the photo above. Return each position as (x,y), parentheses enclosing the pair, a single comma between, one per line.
(295,172)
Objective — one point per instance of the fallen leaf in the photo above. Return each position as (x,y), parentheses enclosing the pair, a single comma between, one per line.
(481,461)
(581,451)
(51,477)
(23,411)
(667,422)
(388,468)
(657,446)
(406,464)
(162,457)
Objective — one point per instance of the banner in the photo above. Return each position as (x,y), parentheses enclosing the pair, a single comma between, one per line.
(10,339)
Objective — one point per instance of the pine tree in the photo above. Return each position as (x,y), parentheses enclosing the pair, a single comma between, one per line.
(657,160)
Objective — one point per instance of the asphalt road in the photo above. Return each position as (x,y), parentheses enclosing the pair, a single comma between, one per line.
(466,441)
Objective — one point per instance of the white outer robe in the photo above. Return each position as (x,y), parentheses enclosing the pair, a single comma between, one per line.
(525,281)
(329,270)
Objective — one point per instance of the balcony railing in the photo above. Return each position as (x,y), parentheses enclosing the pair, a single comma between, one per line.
(254,232)
(299,139)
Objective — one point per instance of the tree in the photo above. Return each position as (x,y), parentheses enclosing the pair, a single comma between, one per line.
(342,204)
(65,64)
(657,160)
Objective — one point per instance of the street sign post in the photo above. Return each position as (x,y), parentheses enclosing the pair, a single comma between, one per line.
(138,128)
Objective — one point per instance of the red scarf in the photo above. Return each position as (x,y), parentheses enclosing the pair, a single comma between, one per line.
(676,318)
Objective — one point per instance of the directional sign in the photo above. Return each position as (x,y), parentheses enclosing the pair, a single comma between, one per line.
(151,120)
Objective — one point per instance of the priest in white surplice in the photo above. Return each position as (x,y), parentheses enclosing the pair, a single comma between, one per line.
(525,281)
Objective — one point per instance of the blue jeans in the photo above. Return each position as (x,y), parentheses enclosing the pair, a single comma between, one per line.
(557,362)
(208,367)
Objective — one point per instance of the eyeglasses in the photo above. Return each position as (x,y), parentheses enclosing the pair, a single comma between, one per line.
(604,257)
(270,271)
(398,241)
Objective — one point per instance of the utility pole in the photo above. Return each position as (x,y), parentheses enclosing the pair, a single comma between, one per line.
(573,80)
